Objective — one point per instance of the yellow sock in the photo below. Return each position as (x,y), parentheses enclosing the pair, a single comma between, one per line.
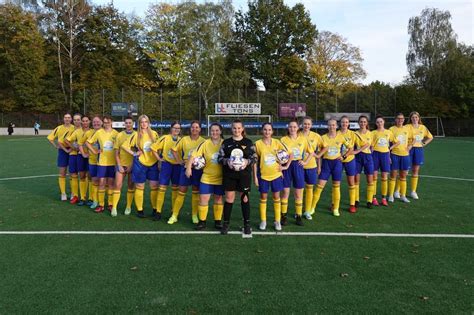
(130,193)
(391,186)
(352,199)
(89,187)
(284,205)
(403,187)
(74,186)
(299,207)
(375,187)
(101,195)
(384,187)
(174,194)
(277,209)
(115,199)
(370,192)
(414,182)
(195,202)
(263,209)
(153,194)
(178,203)
(397,185)
(308,197)
(62,184)
(357,194)
(336,196)
(110,196)
(218,210)
(139,198)
(316,196)
(203,212)
(95,192)
(160,198)
(83,188)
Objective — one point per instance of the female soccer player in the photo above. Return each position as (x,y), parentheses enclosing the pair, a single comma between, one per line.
(268,174)
(301,153)
(73,153)
(63,152)
(124,161)
(364,161)
(106,161)
(234,150)
(381,139)
(312,169)
(182,151)
(170,168)
(421,138)
(400,157)
(332,164)
(145,164)
(211,179)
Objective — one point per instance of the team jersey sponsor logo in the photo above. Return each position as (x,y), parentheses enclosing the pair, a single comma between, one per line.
(382,142)
(214,158)
(108,145)
(402,139)
(170,154)
(418,138)
(269,159)
(333,151)
(296,153)
(147,146)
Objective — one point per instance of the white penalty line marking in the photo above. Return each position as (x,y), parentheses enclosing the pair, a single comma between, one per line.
(450,178)
(393,235)
(28,177)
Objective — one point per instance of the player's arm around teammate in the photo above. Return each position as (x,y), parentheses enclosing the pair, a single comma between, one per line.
(421,138)
(56,138)
(182,152)
(70,140)
(364,160)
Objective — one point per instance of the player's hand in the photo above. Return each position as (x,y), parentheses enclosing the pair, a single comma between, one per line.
(85,155)
(319,171)
(301,162)
(245,163)
(121,169)
(255,179)
(229,164)
(188,173)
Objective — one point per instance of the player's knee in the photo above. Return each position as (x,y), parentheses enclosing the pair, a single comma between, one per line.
(244,198)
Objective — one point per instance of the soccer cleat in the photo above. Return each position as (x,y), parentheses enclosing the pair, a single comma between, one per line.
(384,202)
(109,208)
(63,197)
(94,205)
(195,218)
(201,225)
(391,199)
(99,209)
(225,228)
(414,195)
(262,226)
(74,200)
(81,203)
(172,220)
(217,224)
(396,195)
(247,231)
(89,203)
(375,201)
(311,212)
(335,212)
(156,216)
(404,199)
(369,205)
(284,219)
(307,215)
(113,212)
(357,204)
(141,214)
(127,211)
(352,209)
(299,220)
(277,225)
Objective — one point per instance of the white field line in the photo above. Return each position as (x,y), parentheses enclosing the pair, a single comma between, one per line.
(450,178)
(38,138)
(28,177)
(392,235)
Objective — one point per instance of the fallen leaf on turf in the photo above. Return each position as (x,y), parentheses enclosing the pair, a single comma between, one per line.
(366,257)
(259,251)
(344,275)
(424,298)
(134,268)
(414,251)
(247,291)
(416,245)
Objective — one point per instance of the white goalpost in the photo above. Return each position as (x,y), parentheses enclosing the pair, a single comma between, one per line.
(229,118)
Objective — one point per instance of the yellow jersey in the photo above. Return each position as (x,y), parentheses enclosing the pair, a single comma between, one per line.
(126,159)
(335,146)
(405,137)
(316,143)
(354,140)
(419,134)
(60,132)
(381,140)
(366,137)
(165,144)
(267,158)
(106,142)
(185,146)
(73,139)
(86,136)
(147,157)
(299,147)
(212,171)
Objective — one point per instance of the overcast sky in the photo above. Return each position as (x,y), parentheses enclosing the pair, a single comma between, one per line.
(378,28)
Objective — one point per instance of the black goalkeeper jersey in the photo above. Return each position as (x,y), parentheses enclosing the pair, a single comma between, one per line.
(247,147)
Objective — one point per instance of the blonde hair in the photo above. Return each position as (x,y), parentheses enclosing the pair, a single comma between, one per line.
(417,114)
(139,129)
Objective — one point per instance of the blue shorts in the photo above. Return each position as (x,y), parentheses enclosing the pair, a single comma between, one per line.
(82,163)
(350,168)
(331,168)
(401,163)
(140,172)
(365,161)
(194,180)
(294,175)
(311,176)
(72,164)
(63,158)
(105,171)
(169,172)
(417,156)
(264,185)
(205,189)
(381,161)
(93,170)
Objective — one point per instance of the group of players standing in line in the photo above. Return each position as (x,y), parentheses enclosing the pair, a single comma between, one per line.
(100,158)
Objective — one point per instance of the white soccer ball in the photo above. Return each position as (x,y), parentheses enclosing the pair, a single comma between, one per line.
(282,156)
(199,162)
(237,159)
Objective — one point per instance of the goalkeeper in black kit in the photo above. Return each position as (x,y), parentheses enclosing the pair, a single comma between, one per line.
(237,155)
